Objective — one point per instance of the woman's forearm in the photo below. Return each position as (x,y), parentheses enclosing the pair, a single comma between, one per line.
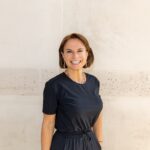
(98,129)
(46,136)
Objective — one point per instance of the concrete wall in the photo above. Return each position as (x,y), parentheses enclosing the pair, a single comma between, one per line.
(30,33)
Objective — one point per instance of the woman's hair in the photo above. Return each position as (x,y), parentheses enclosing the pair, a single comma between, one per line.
(90,58)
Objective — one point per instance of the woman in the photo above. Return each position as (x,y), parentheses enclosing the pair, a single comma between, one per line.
(71,101)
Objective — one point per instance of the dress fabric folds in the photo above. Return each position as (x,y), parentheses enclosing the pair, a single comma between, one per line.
(77,107)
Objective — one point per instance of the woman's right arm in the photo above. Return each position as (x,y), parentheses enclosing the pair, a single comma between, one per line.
(47,131)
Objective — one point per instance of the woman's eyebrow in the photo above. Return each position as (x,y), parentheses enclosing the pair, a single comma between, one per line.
(68,49)
(77,49)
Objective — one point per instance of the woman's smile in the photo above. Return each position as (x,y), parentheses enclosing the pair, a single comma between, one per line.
(75,62)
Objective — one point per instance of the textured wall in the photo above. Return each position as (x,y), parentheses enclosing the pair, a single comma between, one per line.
(119,35)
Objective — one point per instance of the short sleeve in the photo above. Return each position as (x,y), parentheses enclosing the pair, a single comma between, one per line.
(97,84)
(49,99)
(98,90)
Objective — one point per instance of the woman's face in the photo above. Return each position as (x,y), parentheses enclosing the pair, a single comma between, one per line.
(75,54)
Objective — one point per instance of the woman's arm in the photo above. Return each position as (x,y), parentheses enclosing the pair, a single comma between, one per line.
(97,128)
(47,131)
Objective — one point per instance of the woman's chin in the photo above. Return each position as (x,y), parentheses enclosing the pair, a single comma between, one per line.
(75,67)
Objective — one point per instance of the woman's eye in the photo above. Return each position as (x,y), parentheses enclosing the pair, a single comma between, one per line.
(68,51)
(80,50)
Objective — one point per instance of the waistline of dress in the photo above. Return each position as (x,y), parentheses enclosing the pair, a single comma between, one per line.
(85,134)
(79,132)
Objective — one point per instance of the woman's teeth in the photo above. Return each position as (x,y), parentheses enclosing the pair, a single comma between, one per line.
(75,62)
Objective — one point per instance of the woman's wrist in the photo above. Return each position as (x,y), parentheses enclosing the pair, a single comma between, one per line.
(100,141)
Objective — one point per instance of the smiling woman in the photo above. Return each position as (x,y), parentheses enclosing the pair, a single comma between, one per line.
(74,54)
(71,101)
(78,42)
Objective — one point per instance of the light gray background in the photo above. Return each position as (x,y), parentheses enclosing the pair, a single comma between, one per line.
(119,33)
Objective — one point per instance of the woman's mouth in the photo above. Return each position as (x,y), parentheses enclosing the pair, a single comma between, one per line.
(75,62)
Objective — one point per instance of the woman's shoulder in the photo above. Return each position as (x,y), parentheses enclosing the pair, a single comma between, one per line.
(55,79)
(92,76)
(93,80)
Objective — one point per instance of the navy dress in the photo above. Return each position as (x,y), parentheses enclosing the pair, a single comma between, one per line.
(77,107)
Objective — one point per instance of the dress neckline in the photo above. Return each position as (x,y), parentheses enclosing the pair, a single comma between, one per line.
(86,75)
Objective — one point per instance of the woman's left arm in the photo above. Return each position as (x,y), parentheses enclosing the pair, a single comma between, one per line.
(97,128)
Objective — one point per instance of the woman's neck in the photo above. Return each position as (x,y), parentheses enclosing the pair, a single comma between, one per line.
(76,75)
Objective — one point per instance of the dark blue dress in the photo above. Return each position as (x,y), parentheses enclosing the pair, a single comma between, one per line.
(77,107)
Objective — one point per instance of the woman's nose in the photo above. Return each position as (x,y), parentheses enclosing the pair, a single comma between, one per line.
(75,55)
